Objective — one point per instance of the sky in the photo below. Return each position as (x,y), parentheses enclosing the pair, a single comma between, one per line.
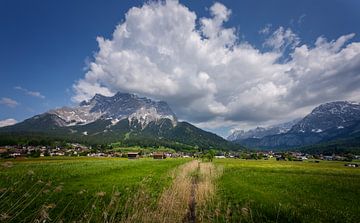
(221,65)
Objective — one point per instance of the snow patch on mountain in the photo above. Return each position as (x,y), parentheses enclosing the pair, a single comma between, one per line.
(116,108)
(76,115)
(146,115)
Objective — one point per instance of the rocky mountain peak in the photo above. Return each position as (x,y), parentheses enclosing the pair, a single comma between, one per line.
(336,108)
(332,115)
(117,107)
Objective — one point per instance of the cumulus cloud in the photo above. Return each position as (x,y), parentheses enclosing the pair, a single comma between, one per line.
(9,102)
(31,93)
(164,51)
(7,122)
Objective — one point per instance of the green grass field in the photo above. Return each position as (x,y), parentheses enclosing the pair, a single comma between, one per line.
(280,191)
(119,190)
(79,189)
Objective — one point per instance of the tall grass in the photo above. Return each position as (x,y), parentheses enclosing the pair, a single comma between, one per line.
(206,187)
(81,189)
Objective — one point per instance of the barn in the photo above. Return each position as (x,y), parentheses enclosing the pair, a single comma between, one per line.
(133,155)
(159,156)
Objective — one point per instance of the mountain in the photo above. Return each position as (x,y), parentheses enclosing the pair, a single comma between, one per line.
(118,107)
(260,132)
(327,122)
(333,115)
(338,146)
(124,117)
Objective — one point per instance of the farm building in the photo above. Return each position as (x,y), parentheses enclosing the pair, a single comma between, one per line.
(133,155)
(220,157)
(352,165)
(159,156)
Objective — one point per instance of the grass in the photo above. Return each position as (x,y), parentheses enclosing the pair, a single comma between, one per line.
(80,189)
(66,189)
(273,191)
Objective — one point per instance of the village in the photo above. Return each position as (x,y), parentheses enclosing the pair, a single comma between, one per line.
(75,149)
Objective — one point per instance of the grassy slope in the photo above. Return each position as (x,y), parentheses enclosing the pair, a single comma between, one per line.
(271,191)
(83,189)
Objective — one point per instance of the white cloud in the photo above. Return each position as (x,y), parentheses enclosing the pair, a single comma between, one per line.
(7,122)
(163,51)
(31,93)
(9,102)
(266,29)
(282,38)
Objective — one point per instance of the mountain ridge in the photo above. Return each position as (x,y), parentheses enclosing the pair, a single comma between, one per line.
(328,121)
(117,107)
(260,132)
(123,117)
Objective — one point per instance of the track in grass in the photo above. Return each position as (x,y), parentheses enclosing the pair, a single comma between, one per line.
(192,187)
(105,190)
(191,216)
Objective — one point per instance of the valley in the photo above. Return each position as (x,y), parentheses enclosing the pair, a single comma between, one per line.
(168,111)
(177,190)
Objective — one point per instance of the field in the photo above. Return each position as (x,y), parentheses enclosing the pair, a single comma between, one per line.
(280,191)
(177,190)
(80,189)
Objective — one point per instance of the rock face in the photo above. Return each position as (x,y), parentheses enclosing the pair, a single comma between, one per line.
(333,115)
(118,107)
(329,121)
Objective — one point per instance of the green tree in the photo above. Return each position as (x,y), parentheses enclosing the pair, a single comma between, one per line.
(210,155)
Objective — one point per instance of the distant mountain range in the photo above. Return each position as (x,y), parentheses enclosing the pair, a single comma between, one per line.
(260,132)
(133,120)
(124,117)
(327,122)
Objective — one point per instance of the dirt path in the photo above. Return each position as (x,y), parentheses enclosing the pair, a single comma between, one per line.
(174,203)
(193,185)
(191,215)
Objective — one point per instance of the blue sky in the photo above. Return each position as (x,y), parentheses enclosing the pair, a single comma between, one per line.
(46,47)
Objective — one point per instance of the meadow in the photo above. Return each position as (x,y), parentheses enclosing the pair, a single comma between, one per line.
(83,189)
(282,191)
(80,189)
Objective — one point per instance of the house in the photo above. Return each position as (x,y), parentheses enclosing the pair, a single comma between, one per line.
(220,157)
(352,165)
(133,155)
(159,156)
(340,158)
